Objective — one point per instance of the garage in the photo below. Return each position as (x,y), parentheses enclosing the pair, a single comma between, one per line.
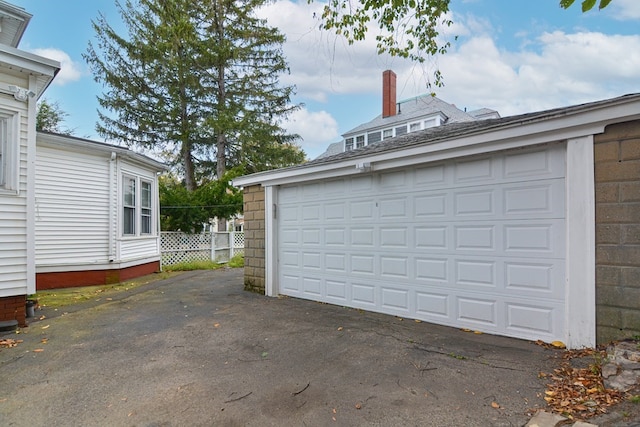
(474,242)
(517,226)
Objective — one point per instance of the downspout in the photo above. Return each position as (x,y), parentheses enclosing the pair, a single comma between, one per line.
(112,192)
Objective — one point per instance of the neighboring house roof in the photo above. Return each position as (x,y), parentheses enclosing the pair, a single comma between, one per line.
(544,126)
(413,108)
(13,23)
(484,113)
(335,148)
(93,146)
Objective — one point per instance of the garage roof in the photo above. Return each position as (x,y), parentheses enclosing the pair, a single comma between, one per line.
(464,138)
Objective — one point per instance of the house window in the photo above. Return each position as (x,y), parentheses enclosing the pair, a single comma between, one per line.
(129,207)
(374,137)
(137,206)
(387,133)
(401,130)
(413,127)
(359,141)
(430,123)
(348,144)
(9,152)
(145,207)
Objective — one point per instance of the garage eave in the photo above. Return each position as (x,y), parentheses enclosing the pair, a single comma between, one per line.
(457,140)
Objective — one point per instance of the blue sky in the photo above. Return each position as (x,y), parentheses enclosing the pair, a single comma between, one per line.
(514,56)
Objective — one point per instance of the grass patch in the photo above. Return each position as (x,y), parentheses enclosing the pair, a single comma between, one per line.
(66,296)
(193,265)
(237,261)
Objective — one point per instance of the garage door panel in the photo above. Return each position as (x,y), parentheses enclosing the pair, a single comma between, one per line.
(534,279)
(476,202)
(430,206)
(544,320)
(474,171)
(474,243)
(430,305)
(335,262)
(475,237)
(334,237)
(394,267)
(394,208)
(396,299)
(394,238)
(391,180)
(362,264)
(335,211)
(472,274)
(476,311)
(363,295)
(431,176)
(290,283)
(362,210)
(432,269)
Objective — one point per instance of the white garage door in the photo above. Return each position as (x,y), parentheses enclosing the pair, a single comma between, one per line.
(476,243)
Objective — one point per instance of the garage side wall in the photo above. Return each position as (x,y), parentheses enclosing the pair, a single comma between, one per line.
(254,239)
(617,192)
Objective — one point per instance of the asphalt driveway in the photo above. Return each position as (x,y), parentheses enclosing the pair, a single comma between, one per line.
(198,350)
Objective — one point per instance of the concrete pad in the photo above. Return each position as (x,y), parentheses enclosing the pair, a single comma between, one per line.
(198,350)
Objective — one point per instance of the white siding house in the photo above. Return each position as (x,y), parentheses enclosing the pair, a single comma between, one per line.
(96,212)
(23,78)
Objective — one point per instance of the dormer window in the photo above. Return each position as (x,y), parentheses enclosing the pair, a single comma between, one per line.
(348,144)
(413,127)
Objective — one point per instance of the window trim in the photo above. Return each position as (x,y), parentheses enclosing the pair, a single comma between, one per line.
(10,148)
(140,212)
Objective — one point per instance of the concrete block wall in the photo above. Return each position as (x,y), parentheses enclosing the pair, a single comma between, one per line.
(254,243)
(14,308)
(617,193)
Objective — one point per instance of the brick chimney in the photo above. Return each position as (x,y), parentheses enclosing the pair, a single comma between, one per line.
(388,93)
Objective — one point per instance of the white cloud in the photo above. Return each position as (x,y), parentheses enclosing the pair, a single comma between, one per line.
(560,69)
(317,129)
(626,9)
(69,70)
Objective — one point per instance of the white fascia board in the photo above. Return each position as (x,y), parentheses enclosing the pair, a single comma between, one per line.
(43,68)
(28,61)
(511,135)
(88,146)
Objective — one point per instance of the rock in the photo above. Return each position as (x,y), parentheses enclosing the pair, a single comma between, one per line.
(609,369)
(545,419)
(625,381)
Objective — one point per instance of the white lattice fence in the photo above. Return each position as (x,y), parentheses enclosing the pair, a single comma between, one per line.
(178,247)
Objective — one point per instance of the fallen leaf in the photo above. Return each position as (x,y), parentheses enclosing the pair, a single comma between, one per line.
(418,321)
(358,405)
(495,405)
(334,410)
(558,344)
(477,332)
(38,350)
(44,340)
(466,330)
(340,328)
(216,325)
(46,327)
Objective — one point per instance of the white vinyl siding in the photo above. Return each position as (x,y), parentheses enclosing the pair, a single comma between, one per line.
(72,207)
(80,206)
(13,199)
